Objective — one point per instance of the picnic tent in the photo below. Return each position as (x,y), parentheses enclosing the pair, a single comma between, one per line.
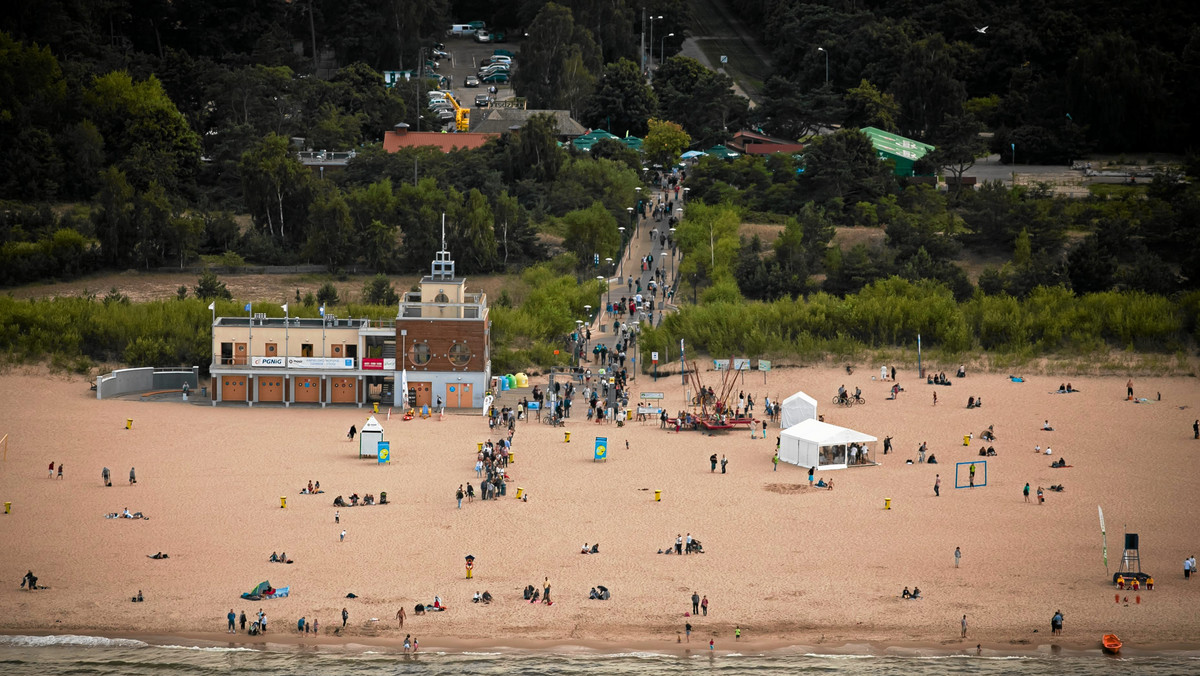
(813,443)
(796,409)
(369,437)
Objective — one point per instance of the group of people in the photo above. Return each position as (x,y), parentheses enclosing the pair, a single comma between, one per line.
(355,500)
(938,379)
(599,593)
(484,598)
(914,594)
(311,489)
(1066,389)
(279,558)
(491,464)
(106,475)
(974,402)
(688,545)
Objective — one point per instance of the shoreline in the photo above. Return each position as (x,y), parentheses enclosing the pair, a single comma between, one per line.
(286,642)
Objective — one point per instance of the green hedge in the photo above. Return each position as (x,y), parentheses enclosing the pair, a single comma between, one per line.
(891,312)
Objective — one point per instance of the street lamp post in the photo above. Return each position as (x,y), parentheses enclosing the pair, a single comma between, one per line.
(652,18)
(662,54)
(672,253)
(822,49)
(600,278)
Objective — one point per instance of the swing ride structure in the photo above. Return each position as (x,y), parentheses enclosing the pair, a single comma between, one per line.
(715,413)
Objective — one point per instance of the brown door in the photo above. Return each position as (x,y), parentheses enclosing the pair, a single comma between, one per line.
(239,354)
(337,351)
(233,388)
(424,393)
(452,393)
(270,388)
(343,390)
(308,389)
(465,399)
(272,350)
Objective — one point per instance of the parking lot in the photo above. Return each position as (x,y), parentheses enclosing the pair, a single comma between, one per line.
(465,57)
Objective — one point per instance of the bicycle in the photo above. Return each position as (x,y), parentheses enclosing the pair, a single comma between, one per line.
(846,401)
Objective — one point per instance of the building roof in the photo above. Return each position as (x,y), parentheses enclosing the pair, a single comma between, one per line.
(888,145)
(395,140)
(501,120)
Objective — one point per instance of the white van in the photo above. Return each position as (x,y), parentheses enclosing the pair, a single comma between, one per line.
(461,30)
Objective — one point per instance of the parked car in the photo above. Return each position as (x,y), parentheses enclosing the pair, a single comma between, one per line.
(483,36)
(445,115)
(483,101)
(494,59)
(439,53)
(471,81)
(503,52)
(496,77)
(493,70)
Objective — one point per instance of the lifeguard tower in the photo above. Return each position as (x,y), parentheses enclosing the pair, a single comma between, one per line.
(1131,561)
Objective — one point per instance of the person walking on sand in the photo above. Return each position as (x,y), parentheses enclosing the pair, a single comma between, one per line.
(459,496)
(546,590)
(1026,491)
(687,629)
(704,605)
(1056,623)
(775,462)
(695,603)
(337,516)
(737,633)
(957,556)
(51,475)
(232,618)
(937,486)
(688,544)
(60,470)
(1196,429)
(352,432)
(242,621)
(679,543)
(711,645)
(1129,390)
(400,616)
(964,626)
(132,477)
(811,470)
(972,472)
(106,477)
(713,460)
(407,642)
(935,398)
(724,461)
(345,616)
(342,537)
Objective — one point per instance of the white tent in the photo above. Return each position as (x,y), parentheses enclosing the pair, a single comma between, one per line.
(369,437)
(813,443)
(796,409)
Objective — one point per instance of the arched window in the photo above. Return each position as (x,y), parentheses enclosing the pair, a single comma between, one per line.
(419,354)
(460,354)
(441,297)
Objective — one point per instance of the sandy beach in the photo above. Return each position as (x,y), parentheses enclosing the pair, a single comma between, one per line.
(785,563)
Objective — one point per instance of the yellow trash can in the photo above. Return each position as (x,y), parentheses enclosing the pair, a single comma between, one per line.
(479,445)
(566,437)
(376,407)
(887,503)
(520,492)
(8,508)
(512,457)
(966,440)
(282,502)
(658,496)
(129,423)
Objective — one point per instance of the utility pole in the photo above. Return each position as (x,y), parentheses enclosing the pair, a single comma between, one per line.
(643,39)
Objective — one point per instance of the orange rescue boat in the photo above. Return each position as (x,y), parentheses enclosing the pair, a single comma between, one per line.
(1111,643)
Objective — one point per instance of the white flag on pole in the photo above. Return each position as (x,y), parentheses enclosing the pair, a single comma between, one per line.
(285,308)
(213,306)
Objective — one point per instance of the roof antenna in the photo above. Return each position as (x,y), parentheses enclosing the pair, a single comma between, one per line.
(443,231)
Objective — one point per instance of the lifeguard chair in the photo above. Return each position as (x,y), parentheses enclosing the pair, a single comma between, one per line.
(1131,562)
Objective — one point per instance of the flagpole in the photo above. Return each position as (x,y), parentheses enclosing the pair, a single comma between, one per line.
(286,321)
(250,328)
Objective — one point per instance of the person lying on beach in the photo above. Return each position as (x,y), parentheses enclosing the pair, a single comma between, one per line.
(159,555)
(1059,463)
(1058,488)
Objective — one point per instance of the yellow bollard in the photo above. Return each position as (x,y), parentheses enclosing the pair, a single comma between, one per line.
(566,437)
(376,407)
(129,423)
(512,457)
(966,440)
(8,508)
(520,492)
(658,496)
(282,502)
(469,574)
(887,503)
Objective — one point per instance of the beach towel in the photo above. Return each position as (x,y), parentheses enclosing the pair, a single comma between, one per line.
(1016,379)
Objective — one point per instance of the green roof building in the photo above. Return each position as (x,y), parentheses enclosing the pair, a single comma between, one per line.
(903,151)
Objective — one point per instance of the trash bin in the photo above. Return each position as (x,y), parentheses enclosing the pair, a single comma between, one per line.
(566,437)
(8,508)
(479,445)
(887,503)
(966,440)
(129,423)
(503,489)
(512,457)
(375,406)
(520,492)
(658,496)
(282,502)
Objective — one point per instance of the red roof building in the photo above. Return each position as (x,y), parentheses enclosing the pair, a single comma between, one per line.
(754,143)
(403,138)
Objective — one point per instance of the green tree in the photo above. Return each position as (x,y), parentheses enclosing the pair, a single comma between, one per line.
(477,236)
(331,235)
(622,102)
(664,142)
(113,217)
(328,294)
(700,100)
(867,106)
(592,231)
(209,287)
(958,145)
(843,166)
(558,60)
(379,291)
(275,185)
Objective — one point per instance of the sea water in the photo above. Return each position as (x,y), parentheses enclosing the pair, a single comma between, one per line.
(63,655)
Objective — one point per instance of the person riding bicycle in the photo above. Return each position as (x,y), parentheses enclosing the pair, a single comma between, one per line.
(841,393)
(857,393)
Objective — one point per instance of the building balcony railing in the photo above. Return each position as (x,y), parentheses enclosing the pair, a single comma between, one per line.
(301,364)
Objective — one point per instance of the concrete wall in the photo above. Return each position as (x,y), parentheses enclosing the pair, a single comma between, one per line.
(145,379)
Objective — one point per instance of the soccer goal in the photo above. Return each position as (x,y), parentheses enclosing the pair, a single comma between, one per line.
(970,474)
